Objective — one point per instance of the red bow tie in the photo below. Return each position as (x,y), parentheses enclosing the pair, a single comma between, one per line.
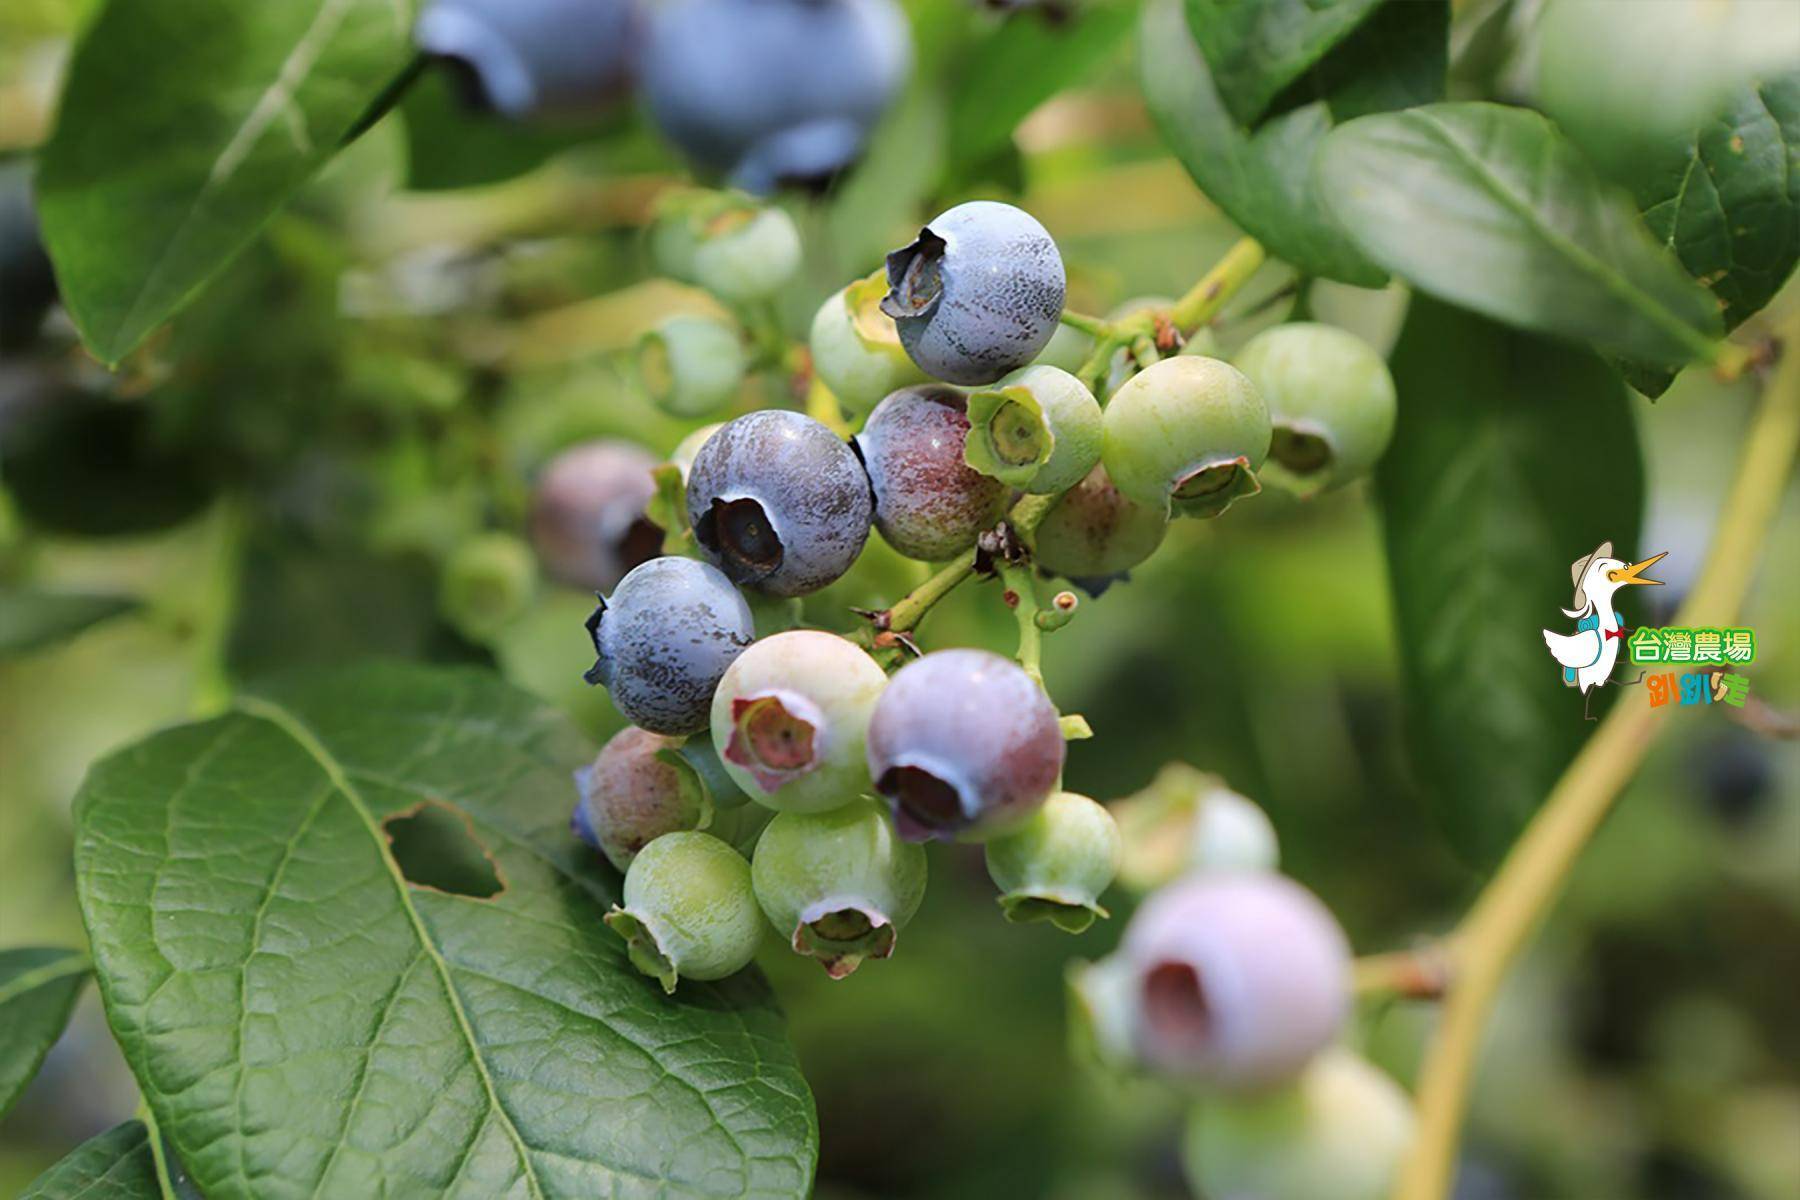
(1614,633)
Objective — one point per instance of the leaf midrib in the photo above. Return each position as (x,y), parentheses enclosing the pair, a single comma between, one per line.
(302,736)
(73,963)
(1698,344)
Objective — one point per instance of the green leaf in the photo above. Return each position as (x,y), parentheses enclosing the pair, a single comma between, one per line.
(451,146)
(1264,179)
(294,1008)
(1256,50)
(1023,63)
(185,124)
(1513,456)
(38,989)
(116,1165)
(1726,199)
(1490,208)
(31,619)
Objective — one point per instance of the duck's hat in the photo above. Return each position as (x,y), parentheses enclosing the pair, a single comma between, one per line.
(1579,570)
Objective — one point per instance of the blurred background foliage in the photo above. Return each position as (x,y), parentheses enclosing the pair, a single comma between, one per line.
(273,480)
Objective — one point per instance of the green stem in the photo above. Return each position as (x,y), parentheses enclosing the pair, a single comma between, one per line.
(164,1180)
(217,611)
(1022,594)
(1515,902)
(911,608)
(1204,300)
(1093,326)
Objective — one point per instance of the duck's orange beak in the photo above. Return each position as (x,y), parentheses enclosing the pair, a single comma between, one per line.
(1634,573)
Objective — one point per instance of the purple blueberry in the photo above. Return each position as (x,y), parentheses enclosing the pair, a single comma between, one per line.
(587,514)
(530,56)
(637,789)
(963,744)
(769,92)
(663,640)
(1242,977)
(979,293)
(929,503)
(779,502)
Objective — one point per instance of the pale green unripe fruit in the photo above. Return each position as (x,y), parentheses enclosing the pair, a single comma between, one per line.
(791,720)
(856,349)
(487,584)
(1037,429)
(690,911)
(1187,820)
(1187,436)
(1102,1000)
(690,365)
(1338,1133)
(1068,348)
(840,885)
(1054,866)
(1331,402)
(746,253)
(683,454)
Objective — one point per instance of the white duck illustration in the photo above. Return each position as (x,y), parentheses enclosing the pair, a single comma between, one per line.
(1590,653)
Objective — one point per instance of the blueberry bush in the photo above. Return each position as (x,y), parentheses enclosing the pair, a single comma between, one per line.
(524,522)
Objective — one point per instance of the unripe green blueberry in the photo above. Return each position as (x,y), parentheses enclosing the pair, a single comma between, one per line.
(1068,349)
(856,349)
(791,718)
(1054,866)
(1186,435)
(1094,533)
(746,252)
(638,788)
(1339,1132)
(1331,401)
(1037,429)
(685,450)
(1243,977)
(487,583)
(1102,1012)
(1186,820)
(674,232)
(840,885)
(690,911)
(690,365)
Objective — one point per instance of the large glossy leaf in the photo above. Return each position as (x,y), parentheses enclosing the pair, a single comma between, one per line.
(1489,207)
(1022,64)
(1726,199)
(1264,178)
(115,1165)
(1514,455)
(31,618)
(38,988)
(184,125)
(1256,50)
(304,1021)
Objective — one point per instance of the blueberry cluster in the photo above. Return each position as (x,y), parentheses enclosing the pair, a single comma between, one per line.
(760,92)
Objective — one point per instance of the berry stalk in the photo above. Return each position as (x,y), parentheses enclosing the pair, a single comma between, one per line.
(1515,902)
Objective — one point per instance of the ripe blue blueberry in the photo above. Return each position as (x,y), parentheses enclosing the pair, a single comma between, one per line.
(1037,429)
(963,744)
(929,503)
(690,365)
(690,911)
(587,514)
(856,350)
(1094,534)
(638,788)
(1331,401)
(791,719)
(663,639)
(779,502)
(531,56)
(1187,435)
(769,92)
(1340,1132)
(839,885)
(1243,977)
(978,294)
(1055,865)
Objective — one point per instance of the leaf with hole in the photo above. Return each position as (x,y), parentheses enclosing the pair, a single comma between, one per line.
(31,618)
(1513,456)
(1490,207)
(296,1009)
(1263,178)
(38,989)
(1255,50)
(183,127)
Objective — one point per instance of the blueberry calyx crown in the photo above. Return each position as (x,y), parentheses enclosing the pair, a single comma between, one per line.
(741,532)
(915,279)
(597,673)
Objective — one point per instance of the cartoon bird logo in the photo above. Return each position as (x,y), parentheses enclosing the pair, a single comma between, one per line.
(1589,654)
